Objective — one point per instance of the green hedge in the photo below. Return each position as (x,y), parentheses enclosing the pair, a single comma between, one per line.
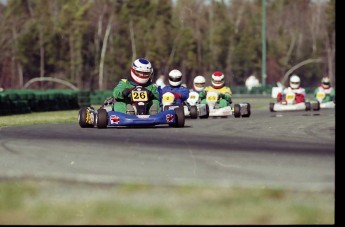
(16,101)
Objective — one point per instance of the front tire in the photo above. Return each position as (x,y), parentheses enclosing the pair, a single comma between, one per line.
(102,118)
(83,115)
(193,112)
(180,118)
(307,106)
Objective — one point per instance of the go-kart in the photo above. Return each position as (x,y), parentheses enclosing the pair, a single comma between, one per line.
(190,107)
(194,101)
(239,109)
(105,116)
(288,103)
(321,98)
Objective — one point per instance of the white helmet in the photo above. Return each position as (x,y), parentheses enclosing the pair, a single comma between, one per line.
(218,79)
(295,81)
(326,82)
(199,83)
(141,71)
(175,77)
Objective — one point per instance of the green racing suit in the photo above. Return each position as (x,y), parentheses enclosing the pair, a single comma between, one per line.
(121,102)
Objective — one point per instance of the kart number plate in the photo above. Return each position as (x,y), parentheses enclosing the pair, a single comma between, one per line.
(167,98)
(139,96)
(211,98)
(290,97)
(320,95)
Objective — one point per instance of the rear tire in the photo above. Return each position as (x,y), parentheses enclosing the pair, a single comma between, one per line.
(193,112)
(82,116)
(207,112)
(237,110)
(102,118)
(272,107)
(307,106)
(316,107)
(248,111)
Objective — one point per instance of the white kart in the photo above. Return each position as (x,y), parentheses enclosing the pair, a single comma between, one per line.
(239,110)
(320,97)
(288,103)
(193,101)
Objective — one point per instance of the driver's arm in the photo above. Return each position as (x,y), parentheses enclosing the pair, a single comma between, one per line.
(226,94)
(119,89)
(202,94)
(156,93)
(184,93)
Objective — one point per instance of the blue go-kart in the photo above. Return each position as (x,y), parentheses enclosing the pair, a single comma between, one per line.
(105,116)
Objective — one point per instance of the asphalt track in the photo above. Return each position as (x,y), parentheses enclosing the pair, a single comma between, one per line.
(282,149)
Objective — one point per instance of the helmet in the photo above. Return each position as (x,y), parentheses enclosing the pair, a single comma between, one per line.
(295,81)
(175,77)
(141,71)
(218,79)
(199,83)
(326,82)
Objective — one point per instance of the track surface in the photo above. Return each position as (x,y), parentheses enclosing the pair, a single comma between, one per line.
(282,149)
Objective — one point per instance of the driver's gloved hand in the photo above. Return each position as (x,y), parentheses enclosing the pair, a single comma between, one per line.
(108,101)
(126,93)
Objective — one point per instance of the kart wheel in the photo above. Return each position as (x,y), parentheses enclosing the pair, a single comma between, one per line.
(193,112)
(102,118)
(237,110)
(82,118)
(316,106)
(307,106)
(180,118)
(272,107)
(207,112)
(248,111)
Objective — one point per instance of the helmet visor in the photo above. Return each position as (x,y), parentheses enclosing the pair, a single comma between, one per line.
(295,83)
(217,81)
(199,85)
(142,74)
(175,79)
(326,83)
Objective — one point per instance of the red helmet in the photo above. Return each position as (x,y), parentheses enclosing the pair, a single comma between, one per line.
(218,79)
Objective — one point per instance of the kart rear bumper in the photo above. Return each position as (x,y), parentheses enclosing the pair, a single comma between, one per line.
(289,107)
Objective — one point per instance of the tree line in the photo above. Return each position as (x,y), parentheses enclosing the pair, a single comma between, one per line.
(92,43)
